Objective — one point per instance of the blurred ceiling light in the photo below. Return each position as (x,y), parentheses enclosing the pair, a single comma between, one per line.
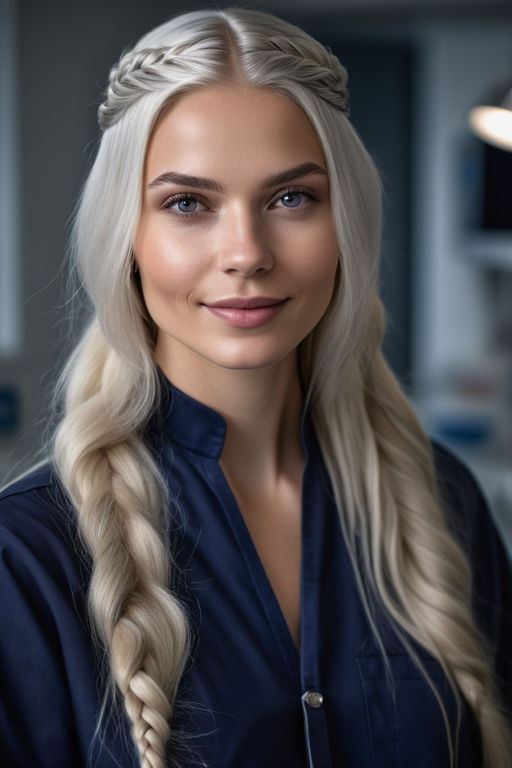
(492,122)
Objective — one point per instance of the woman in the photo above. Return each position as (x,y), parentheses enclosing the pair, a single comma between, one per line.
(242,527)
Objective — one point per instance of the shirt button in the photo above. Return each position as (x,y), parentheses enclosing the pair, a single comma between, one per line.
(313,699)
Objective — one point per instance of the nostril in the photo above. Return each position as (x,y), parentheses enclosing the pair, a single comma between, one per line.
(252,259)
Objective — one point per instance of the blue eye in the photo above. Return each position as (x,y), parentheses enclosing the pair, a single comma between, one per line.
(295,199)
(186,205)
(292,199)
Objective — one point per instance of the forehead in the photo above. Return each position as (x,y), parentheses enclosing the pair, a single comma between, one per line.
(232,126)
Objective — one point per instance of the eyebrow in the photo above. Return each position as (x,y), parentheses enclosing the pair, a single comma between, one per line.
(284,177)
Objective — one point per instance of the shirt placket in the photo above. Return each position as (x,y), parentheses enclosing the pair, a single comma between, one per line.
(313,701)
(304,670)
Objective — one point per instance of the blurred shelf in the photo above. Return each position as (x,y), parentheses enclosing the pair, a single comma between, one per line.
(490,249)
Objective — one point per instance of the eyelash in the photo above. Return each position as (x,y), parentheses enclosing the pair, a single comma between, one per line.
(311,198)
(170,201)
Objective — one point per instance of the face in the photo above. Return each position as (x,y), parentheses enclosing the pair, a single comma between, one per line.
(235,246)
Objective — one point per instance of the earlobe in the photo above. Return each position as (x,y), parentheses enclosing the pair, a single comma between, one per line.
(135,277)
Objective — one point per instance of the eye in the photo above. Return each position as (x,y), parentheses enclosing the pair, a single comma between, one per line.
(186,205)
(183,205)
(294,198)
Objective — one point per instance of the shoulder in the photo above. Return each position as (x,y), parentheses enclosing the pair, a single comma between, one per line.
(471,522)
(469,518)
(37,525)
(454,478)
(36,498)
(464,503)
(40,477)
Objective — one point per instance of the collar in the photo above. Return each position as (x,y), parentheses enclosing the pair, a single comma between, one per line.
(192,424)
(199,428)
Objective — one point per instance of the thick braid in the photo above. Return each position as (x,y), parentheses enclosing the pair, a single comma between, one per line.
(113,482)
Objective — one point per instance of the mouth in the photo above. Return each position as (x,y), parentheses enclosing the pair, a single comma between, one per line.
(246,313)
(256,302)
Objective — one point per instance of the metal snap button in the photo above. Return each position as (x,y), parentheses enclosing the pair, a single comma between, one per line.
(313,699)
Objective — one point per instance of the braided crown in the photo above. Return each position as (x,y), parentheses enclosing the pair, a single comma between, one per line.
(325,76)
(148,69)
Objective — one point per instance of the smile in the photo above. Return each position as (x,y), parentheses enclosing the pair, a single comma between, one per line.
(246,313)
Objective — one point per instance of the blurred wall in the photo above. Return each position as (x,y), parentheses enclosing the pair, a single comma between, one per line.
(63,52)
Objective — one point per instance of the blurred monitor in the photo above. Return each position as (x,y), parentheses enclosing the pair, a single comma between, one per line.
(496,212)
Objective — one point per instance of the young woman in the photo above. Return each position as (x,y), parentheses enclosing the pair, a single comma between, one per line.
(243,551)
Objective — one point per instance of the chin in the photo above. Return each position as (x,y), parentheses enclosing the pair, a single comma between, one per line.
(250,359)
(247,363)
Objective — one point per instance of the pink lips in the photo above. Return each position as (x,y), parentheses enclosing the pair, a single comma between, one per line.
(246,313)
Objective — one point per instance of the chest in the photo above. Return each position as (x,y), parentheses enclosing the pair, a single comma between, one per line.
(248,676)
(275,527)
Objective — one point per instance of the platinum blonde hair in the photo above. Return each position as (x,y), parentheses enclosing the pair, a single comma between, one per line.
(378,458)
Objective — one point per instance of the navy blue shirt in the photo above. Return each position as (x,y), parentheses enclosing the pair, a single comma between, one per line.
(249,698)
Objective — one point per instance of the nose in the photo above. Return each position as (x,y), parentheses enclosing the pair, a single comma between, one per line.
(244,246)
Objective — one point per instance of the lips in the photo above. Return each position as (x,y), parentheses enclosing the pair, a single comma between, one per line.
(256,302)
(246,312)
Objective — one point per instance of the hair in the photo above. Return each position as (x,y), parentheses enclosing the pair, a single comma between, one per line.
(378,458)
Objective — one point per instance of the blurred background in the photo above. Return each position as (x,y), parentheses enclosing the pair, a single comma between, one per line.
(416,69)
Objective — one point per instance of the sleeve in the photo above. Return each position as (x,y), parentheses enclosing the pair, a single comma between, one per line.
(474,526)
(41,641)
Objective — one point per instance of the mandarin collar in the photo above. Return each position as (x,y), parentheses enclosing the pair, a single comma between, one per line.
(199,428)
(192,424)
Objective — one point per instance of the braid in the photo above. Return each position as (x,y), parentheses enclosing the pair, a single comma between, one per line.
(111,478)
(139,72)
(148,69)
(322,74)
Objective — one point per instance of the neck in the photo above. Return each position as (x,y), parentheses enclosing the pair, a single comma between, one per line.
(262,409)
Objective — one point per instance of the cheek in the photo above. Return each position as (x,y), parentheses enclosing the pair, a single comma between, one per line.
(165,267)
(316,253)
(322,270)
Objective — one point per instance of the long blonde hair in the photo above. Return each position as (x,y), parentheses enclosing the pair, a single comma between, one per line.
(377,456)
